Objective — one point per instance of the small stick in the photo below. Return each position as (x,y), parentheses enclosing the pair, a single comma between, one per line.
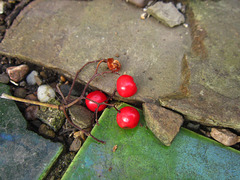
(85,88)
(6,96)
(9,19)
(75,78)
(61,94)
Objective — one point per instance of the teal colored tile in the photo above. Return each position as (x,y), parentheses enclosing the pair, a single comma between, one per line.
(24,154)
(139,155)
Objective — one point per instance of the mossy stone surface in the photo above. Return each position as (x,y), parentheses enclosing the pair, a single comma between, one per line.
(52,117)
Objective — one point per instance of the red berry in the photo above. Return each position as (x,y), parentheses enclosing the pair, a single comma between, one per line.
(128,117)
(126,86)
(96,96)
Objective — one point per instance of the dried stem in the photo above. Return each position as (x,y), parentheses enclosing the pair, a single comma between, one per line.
(85,88)
(75,78)
(61,94)
(9,19)
(6,96)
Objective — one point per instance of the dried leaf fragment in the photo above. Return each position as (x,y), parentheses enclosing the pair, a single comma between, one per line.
(114,148)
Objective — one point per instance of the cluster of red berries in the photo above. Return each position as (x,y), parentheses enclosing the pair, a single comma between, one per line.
(127,117)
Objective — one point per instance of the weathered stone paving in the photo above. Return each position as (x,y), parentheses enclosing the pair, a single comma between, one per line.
(66,34)
(215,72)
(199,80)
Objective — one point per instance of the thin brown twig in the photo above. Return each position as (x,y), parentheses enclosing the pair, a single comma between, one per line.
(75,78)
(85,88)
(61,94)
(10,18)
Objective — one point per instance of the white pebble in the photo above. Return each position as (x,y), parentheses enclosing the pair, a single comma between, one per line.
(31,80)
(45,92)
(185,25)
(179,6)
(2,7)
(144,16)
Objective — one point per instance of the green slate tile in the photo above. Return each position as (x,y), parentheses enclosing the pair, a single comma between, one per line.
(141,156)
(24,154)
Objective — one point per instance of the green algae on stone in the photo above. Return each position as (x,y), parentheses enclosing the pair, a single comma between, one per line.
(140,155)
(52,117)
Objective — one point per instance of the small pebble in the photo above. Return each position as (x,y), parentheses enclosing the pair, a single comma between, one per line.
(144,9)
(65,89)
(43,75)
(62,79)
(2,7)
(193,126)
(36,123)
(81,116)
(20,92)
(45,93)
(46,131)
(185,25)
(31,97)
(4,78)
(17,73)
(31,112)
(139,3)
(144,15)
(224,136)
(22,83)
(32,78)
(179,6)
(76,144)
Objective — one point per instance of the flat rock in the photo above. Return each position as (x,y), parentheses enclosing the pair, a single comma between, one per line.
(52,117)
(24,154)
(164,123)
(224,136)
(213,66)
(66,34)
(81,116)
(17,73)
(166,13)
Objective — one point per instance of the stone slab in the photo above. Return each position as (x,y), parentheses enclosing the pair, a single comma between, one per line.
(140,155)
(66,34)
(24,154)
(214,66)
(164,123)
